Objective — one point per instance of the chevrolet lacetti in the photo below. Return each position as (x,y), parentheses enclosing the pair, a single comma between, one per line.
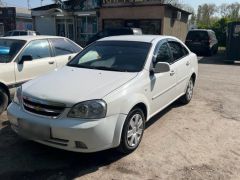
(104,96)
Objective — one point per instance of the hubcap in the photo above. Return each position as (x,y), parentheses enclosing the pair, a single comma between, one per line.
(190,90)
(135,130)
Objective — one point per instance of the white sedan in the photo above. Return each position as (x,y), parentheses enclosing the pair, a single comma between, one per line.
(105,95)
(26,57)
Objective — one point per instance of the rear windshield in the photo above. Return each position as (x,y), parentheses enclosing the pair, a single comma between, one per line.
(197,35)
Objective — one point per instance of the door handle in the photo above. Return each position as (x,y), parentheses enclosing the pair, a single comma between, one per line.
(188,63)
(172,73)
(51,62)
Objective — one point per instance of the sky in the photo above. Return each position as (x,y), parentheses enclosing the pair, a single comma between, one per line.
(36,3)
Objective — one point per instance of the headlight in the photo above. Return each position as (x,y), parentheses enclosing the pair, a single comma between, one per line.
(94,109)
(18,96)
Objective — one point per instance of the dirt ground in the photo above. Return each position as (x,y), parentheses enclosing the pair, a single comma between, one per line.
(200,141)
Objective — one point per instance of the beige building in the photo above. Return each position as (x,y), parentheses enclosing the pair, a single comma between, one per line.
(151,16)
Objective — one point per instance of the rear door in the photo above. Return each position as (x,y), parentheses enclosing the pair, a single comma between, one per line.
(182,63)
(64,50)
(41,63)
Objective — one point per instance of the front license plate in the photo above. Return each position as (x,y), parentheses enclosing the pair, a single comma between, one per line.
(33,131)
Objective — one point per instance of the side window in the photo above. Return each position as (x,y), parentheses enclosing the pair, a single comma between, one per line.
(61,47)
(178,51)
(38,49)
(74,46)
(15,33)
(163,54)
(22,33)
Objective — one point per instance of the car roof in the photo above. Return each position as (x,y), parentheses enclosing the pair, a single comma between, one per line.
(137,38)
(30,38)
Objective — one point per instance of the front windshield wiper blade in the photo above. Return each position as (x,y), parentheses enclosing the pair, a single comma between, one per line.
(108,68)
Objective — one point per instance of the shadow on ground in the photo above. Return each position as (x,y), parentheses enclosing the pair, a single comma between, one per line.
(217,59)
(29,160)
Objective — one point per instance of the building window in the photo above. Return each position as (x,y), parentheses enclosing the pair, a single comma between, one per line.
(86,27)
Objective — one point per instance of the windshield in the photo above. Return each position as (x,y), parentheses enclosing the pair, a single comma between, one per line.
(197,35)
(125,56)
(9,48)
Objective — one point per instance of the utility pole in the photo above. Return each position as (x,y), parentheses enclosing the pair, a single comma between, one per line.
(28,3)
(41,2)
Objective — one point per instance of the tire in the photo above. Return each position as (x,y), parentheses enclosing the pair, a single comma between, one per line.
(3,100)
(132,132)
(187,97)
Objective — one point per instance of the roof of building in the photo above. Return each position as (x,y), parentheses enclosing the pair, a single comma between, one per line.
(148,3)
(137,38)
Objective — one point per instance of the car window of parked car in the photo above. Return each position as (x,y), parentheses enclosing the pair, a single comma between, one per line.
(178,51)
(61,47)
(15,33)
(9,48)
(23,33)
(38,49)
(197,35)
(124,56)
(74,46)
(163,54)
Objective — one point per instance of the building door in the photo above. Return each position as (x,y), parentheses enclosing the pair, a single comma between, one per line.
(70,31)
(65,28)
(87,26)
(61,31)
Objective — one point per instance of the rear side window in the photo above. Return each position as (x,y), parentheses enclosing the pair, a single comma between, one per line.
(62,47)
(15,33)
(74,46)
(178,51)
(197,35)
(23,33)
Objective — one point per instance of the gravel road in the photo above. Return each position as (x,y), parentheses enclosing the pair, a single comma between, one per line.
(200,141)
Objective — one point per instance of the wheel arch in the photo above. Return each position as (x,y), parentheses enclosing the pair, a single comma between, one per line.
(139,104)
(5,88)
(193,76)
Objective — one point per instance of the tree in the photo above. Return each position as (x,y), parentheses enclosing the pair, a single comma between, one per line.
(205,15)
(231,11)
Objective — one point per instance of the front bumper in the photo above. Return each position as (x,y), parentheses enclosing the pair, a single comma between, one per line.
(72,134)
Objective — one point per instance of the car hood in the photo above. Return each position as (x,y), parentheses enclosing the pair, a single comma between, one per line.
(72,85)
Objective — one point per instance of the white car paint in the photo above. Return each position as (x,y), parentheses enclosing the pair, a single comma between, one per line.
(13,74)
(120,90)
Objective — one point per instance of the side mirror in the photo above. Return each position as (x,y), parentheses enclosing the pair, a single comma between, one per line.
(25,58)
(161,67)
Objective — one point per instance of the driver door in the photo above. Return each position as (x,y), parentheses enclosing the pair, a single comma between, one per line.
(41,61)
(163,85)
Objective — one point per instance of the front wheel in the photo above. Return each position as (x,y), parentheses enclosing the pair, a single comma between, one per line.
(132,132)
(187,97)
(3,100)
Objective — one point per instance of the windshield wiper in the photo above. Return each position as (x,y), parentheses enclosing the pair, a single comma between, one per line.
(99,68)
(108,68)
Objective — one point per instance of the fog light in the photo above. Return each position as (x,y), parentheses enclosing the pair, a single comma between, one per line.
(80,145)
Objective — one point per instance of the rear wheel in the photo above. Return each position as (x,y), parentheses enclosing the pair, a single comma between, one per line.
(3,100)
(132,132)
(187,97)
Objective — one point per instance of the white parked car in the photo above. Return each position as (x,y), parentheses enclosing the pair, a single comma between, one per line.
(105,95)
(25,57)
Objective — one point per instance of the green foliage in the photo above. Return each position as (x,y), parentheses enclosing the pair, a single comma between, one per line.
(219,27)
(206,19)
